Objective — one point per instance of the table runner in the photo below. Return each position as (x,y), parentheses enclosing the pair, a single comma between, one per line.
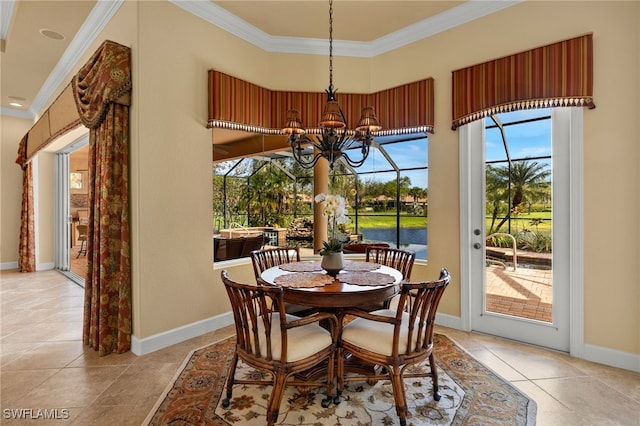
(316,279)
(303,280)
(312,266)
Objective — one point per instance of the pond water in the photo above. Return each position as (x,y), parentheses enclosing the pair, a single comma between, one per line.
(410,238)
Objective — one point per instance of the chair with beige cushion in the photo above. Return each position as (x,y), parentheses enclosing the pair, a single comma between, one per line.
(283,345)
(274,256)
(395,339)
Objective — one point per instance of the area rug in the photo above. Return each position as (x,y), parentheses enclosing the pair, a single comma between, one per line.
(471,395)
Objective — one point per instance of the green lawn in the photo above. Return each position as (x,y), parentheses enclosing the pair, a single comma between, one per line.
(519,222)
(524,221)
(378,221)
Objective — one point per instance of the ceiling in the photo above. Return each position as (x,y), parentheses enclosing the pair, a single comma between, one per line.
(34,65)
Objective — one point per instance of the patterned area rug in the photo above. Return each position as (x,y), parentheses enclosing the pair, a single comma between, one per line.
(471,395)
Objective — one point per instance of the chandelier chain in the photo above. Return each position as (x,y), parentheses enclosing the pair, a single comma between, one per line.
(334,137)
(331,45)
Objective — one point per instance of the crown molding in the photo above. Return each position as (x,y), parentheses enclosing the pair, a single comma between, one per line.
(99,17)
(6,15)
(18,113)
(225,20)
(444,21)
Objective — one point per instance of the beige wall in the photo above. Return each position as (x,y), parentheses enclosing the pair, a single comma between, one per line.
(173,281)
(172,138)
(11,130)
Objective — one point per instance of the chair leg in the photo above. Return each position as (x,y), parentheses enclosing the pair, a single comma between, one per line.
(232,372)
(399,394)
(330,381)
(81,249)
(434,377)
(279,382)
(340,373)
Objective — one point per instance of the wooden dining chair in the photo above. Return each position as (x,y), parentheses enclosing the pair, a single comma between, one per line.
(274,256)
(83,231)
(283,345)
(395,339)
(399,259)
(269,257)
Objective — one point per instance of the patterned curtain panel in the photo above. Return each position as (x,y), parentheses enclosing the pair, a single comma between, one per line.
(556,75)
(101,89)
(27,244)
(241,105)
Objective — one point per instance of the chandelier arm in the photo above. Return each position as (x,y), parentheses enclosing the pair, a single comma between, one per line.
(342,139)
(304,163)
(307,140)
(311,163)
(353,163)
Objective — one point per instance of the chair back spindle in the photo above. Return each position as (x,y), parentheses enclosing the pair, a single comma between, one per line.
(402,260)
(270,257)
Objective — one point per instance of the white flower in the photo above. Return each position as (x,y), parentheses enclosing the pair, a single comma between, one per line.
(335,210)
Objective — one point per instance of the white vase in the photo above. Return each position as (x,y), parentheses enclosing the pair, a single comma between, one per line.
(333,263)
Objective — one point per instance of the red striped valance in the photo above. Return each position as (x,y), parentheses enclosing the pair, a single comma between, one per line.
(559,74)
(238,104)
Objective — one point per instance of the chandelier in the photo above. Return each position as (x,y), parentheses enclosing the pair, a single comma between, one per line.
(334,138)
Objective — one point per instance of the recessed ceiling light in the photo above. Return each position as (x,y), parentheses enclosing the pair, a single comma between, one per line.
(15,104)
(51,34)
(16,98)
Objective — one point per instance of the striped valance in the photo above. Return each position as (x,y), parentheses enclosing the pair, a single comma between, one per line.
(559,74)
(241,105)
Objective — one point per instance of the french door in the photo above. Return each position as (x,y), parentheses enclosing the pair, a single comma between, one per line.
(66,259)
(478,274)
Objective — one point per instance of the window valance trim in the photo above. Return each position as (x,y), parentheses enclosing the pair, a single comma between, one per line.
(105,79)
(240,105)
(555,75)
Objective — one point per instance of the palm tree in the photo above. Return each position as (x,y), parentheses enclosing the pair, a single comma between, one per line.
(525,180)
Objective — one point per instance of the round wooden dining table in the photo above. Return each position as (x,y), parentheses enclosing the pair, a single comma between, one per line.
(358,284)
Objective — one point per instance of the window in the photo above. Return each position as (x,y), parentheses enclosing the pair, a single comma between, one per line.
(387,195)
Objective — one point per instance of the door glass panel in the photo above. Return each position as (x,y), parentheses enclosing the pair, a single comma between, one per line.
(519,219)
(78,209)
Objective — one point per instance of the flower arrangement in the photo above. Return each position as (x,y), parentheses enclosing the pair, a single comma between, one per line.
(335,210)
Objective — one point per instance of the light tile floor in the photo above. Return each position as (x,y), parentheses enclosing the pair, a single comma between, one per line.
(44,365)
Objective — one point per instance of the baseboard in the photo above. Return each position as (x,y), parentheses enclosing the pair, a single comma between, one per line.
(593,353)
(14,265)
(180,334)
(449,321)
(8,265)
(611,357)
(44,266)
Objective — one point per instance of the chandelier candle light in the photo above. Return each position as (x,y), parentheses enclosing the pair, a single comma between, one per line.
(334,137)
(335,210)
